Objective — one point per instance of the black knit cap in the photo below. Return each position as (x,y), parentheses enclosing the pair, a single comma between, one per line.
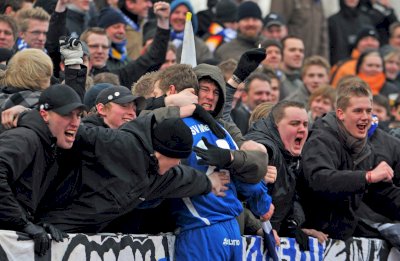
(365,32)
(249,9)
(108,17)
(226,11)
(172,138)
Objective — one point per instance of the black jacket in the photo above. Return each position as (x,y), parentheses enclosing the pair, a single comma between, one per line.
(283,191)
(336,182)
(343,28)
(150,61)
(119,171)
(26,155)
(240,116)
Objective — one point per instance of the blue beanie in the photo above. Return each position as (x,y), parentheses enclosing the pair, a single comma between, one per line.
(176,3)
(109,16)
(90,96)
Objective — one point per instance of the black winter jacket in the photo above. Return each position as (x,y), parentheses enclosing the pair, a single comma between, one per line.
(283,191)
(150,61)
(26,155)
(336,182)
(119,172)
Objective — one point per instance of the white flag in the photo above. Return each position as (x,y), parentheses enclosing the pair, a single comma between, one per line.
(188,49)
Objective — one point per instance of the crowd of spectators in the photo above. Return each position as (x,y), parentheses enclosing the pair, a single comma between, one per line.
(292,118)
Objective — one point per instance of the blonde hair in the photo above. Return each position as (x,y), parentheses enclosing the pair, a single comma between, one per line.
(261,111)
(30,68)
(351,87)
(25,15)
(145,85)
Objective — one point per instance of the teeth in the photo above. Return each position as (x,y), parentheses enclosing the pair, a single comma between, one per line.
(72,133)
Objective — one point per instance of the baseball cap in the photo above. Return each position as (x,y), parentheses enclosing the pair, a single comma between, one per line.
(273,19)
(61,99)
(120,95)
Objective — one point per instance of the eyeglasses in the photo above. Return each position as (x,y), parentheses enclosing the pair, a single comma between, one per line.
(37,33)
(97,46)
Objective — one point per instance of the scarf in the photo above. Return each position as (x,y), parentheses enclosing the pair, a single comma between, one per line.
(128,21)
(21,44)
(375,82)
(218,35)
(176,38)
(354,145)
(118,51)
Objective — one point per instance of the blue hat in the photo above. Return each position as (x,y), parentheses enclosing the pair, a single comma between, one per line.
(109,16)
(176,3)
(90,96)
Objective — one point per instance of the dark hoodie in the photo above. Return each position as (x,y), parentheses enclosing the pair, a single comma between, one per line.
(248,165)
(113,185)
(342,37)
(283,191)
(26,155)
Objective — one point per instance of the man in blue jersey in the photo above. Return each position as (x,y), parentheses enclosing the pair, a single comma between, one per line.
(208,220)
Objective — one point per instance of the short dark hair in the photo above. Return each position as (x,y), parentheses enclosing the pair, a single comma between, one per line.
(255,75)
(181,76)
(393,28)
(12,23)
(278,111)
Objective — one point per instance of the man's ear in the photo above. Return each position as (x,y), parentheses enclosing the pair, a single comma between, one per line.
(100,109)
(45,115)
(340,114)
(171,90)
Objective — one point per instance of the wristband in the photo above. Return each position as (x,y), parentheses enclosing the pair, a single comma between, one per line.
(236,79)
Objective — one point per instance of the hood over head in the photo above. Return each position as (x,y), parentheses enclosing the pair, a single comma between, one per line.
(213,72)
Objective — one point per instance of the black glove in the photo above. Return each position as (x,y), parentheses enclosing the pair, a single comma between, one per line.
(213,156)
(56,234)
(39,236)
(71,50)
(248,62)
(296,232)
(204,116)
(301,239)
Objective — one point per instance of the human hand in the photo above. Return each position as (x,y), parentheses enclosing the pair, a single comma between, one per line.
(9,117)
(40,238)
(276,237)
(162,10)
(213,155)
(270,177)
(71,50)
(382,172)
(268,215)
(61,5)
(321,236)
(218,181)
(185,97)
(248,62)
(56,234)
(204,116)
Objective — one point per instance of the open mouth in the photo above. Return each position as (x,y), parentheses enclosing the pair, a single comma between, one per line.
(362,127)
(70,134)
(297,141)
